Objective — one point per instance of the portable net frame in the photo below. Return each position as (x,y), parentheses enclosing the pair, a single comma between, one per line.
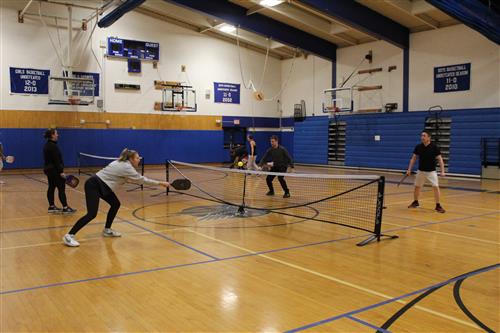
(89,164)
(354,201)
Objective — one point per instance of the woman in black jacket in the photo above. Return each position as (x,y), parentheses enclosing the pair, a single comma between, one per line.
(54,169)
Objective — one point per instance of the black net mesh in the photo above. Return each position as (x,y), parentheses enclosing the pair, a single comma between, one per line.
(349,200)
(89,164)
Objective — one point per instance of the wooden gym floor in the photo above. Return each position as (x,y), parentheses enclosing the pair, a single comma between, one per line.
(232,275)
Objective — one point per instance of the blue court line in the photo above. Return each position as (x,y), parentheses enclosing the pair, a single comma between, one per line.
(450,187)
(297,247)
(392,300)
(170,239)
(203,262)
(46,228)
(458,219)
(36,229)
(379,329)
(169,267)
(104,277)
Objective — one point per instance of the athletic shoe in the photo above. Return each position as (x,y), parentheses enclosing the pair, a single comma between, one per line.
(414,204)
(108,232)
(54,209)
(70,240)
(270,193)
(68,210)
(439,209)
(286,195)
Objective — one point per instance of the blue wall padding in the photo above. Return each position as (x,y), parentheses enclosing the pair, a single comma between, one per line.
(154,145)
(467,129)
(287,141)
(228,121)
(307,144)
(399,134)
(310,143)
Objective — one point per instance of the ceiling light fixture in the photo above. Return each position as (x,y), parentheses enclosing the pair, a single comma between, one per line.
(227,28)
(270,3)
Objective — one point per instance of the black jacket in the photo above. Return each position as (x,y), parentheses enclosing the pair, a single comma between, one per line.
(53,160)
(279,156)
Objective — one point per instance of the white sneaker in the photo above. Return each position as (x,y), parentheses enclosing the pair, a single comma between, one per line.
(108,232)
(70,240)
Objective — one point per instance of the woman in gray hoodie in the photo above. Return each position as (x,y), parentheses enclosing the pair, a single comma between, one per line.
(102,186)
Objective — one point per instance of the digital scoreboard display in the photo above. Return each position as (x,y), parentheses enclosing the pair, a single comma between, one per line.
(133,49)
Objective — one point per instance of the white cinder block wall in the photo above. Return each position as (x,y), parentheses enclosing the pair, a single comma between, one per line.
(450,46)
(208,60)
(447,46)
(309,77)
(384,55)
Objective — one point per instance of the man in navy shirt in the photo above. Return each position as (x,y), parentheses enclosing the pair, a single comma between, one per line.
(279,160)
(427,153)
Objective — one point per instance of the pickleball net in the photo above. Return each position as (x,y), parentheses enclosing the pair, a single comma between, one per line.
(354,201)
(89,164)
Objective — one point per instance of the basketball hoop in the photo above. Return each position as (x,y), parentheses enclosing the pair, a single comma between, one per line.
(258,95)
(332,109)
(73,100)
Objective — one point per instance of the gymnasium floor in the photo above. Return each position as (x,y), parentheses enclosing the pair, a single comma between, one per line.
(269,273)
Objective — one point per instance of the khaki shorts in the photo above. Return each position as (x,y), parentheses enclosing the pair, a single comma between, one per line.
(422,176)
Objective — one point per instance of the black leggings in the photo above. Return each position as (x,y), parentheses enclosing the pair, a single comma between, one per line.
(56,181)
(96,189)
(281,179)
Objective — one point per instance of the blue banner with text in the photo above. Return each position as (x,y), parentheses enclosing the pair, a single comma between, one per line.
(226,93)
(29,81)
(452,78)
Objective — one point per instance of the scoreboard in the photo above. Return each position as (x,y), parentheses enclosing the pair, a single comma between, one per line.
(133,49)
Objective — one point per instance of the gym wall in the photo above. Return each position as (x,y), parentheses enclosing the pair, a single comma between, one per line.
(474,113)
(133,122)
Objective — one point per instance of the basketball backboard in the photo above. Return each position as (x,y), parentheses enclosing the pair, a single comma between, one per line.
(337,99)
(178,98)
(71,90)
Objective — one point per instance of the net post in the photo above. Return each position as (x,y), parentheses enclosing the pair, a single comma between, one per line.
(377,232)
(167,174)
(380,206)
(142,173)
(241,209)
(78,162)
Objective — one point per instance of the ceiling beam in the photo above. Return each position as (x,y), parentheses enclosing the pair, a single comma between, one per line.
(322,24)
(260,24)
(428,20)
(209,31)
(364,19)
(474,14)
(118,12)
(420,7)
(255,9)
(407,8)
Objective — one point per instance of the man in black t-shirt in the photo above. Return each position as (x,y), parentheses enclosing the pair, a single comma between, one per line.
(279,160)
(427,153)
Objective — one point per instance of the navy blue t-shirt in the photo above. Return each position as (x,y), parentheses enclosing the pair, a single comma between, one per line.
(427,156)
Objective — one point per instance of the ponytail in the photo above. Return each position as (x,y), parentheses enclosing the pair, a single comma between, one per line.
(126,154)
(48,133)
